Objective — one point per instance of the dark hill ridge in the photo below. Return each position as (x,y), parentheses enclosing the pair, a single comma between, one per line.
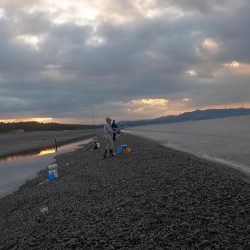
(190,116)
(37,126)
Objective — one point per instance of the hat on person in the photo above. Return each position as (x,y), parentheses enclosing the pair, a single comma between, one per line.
(108,119)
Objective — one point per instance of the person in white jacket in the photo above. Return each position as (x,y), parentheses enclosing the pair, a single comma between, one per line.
(108,136)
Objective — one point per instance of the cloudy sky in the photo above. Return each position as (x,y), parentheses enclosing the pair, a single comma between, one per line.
(79,60)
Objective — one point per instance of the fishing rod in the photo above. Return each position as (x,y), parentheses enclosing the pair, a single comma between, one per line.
(174,132)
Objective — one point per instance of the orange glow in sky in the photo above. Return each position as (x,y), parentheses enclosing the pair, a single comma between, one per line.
(32,119)
(142,108)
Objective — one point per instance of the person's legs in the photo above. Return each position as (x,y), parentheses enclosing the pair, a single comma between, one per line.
(106,147)
(111,146)
(105,153)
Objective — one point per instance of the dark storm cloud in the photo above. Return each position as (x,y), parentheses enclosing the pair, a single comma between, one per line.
(72,67)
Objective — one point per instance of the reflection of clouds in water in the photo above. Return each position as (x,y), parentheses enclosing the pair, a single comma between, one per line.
(28,155)
(43,152)
(47,151)
(11,158)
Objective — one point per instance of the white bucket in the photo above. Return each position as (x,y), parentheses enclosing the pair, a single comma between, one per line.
(98,144)
(53,169)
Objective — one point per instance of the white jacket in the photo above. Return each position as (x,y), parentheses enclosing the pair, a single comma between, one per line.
(108,129)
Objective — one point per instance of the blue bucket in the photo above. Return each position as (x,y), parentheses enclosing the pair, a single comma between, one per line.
(119,150)
(51,177)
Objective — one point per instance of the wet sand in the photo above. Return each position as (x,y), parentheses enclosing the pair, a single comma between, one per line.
(153,198)
(12,143)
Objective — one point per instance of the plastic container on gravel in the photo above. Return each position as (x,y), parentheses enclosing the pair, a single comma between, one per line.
(119,150)
(53,169)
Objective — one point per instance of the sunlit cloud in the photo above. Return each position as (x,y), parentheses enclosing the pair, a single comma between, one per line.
(234,68)
(191,72)
(151,9)
(233,64)
(95,40)
(149,105)
(53,66)
(150,101)
(31,40)
(210,45)
(207,47)
(153,107)
(92,12)
(76,15)
(186,99)
(1,13)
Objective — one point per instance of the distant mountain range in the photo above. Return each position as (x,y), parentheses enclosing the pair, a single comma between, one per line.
(190,116)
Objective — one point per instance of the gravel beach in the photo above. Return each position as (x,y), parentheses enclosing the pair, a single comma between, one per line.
(152,198)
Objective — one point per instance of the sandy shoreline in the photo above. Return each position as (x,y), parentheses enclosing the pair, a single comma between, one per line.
(153,198)
(14,143)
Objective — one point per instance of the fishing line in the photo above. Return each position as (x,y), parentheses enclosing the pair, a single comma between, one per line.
(175,132)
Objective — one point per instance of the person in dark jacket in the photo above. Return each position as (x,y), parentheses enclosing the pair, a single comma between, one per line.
(114,127)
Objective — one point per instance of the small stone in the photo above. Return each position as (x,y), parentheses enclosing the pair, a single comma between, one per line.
(207,248)
(44,210)
(204,243)
(142,236)
(110,248)
(213,230)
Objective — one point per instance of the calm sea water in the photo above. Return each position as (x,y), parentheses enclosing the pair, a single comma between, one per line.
(225,140)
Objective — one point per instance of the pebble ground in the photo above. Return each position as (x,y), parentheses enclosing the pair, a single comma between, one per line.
(152,198)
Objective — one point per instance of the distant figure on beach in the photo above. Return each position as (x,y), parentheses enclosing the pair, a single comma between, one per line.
(95,145)
(108,135)
(114,127)
(55,144)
